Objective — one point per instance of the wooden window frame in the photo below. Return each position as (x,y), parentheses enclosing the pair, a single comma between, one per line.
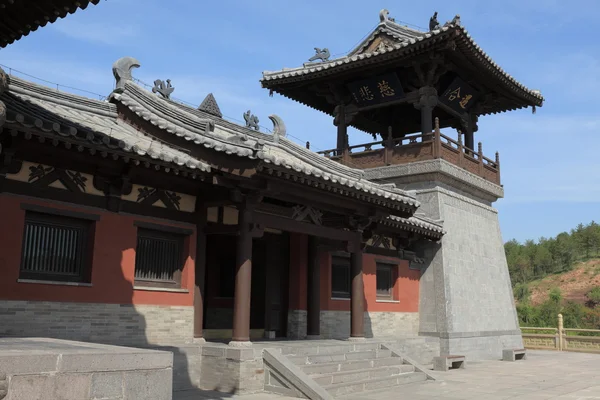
(341,262)
(159,232)
(84,224)
(392,270)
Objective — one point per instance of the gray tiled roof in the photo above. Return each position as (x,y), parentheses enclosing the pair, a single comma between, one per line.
(214,133)
(79,118)
(68,116)
(396,31)
(407,40)
(417,223)
(21,17)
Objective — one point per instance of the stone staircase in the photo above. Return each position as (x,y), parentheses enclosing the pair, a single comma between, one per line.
(352,369)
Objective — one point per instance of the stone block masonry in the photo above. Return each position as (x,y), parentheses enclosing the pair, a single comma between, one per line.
(465,292)
(41,369)
(336,324)
(120,324)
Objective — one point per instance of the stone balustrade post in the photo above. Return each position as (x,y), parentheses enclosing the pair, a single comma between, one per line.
(560,333)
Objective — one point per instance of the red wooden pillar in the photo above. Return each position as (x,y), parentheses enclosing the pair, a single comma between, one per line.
(313,301)
(200,272)
(357,318)
(243,279)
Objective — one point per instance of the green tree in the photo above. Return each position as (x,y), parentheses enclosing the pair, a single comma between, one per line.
(522,292)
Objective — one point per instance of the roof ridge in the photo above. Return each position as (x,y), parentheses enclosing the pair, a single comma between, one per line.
(43,92)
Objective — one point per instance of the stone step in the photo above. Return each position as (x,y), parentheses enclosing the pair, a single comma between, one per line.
(361,374)
(340,389)
(348,356)
(350,365)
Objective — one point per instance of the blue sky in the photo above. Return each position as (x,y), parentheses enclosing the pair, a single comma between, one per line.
(549,161)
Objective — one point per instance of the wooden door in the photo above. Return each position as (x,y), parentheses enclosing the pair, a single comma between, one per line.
(277,262)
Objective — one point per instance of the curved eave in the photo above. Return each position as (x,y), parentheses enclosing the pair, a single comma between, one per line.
(348,189)
(27,16)
(95,145)
(428,229)
(271,80)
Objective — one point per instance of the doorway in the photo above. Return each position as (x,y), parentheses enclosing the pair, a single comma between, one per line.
(269,296)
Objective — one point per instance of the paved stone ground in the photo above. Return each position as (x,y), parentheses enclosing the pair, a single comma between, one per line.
(544,375)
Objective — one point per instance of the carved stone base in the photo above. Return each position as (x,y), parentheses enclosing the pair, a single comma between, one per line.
(356,339)
(235,343)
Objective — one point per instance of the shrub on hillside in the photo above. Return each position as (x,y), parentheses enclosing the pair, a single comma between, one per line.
(593,297)
(522,293)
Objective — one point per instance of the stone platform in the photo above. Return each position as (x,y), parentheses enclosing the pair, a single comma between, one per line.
(544,375)
(43,369)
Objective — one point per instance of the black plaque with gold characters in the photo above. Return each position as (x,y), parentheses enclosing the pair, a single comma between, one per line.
(377,90)
(460,96)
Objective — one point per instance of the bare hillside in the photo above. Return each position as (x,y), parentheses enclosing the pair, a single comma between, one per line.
(573,284)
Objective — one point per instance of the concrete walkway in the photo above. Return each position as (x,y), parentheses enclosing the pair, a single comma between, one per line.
(545,375)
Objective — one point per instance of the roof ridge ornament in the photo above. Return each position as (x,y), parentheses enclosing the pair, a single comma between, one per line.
(162,88)
(209,105)
(433,22)
(384,15)
(251,121)
(321,54)
(122,70)
(279,129)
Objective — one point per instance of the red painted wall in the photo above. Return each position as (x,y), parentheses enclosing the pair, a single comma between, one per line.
(406,287)
(112,267)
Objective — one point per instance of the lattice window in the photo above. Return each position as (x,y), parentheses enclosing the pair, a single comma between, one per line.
(56,248)
(386,277)
(158,258)
(340,278)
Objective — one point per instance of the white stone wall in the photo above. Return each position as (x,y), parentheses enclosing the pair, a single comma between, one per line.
(122,324)
(336,324)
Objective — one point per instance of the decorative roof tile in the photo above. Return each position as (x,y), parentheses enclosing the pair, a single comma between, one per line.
(209,105)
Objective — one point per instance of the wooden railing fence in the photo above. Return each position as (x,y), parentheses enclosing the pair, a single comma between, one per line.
(418,147)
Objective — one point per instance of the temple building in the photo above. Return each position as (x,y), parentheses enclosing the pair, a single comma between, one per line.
(142,221)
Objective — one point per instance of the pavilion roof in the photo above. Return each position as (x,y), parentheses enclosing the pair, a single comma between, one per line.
(20,17)
(404,42)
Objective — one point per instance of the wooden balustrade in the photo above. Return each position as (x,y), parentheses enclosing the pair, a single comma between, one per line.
(418,147)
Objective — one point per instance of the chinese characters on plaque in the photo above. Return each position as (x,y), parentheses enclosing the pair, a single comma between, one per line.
(380,89)
(460,96)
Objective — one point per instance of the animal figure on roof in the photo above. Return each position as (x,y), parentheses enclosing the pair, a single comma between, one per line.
(321,54)
(251,120)
(164,89)
(433,22)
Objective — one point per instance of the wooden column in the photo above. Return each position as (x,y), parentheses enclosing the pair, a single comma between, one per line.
(243,278)
(469,138)
(428,99)
(342,128)
(357,318)
(470,127)
(200,272)
(313,301)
